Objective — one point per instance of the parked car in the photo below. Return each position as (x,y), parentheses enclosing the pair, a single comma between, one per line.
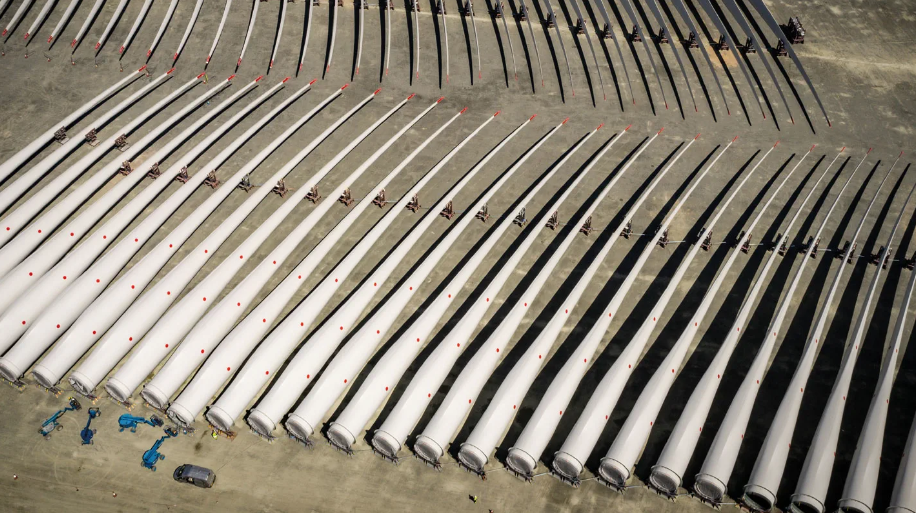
(198,476)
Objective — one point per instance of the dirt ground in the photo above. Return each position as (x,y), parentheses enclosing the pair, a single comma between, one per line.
(860,56)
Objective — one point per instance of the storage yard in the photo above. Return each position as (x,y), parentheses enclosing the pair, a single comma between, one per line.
(566,354)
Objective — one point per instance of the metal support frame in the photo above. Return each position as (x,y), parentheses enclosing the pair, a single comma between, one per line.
(780,50)
(552,223)
(154,172)
(521,219)
(414,204)
(746,245)
(313,194)
(211,180)
(843,251)
(482,215)
(345,198)
(626,232)
(380,200)
(92,137)
(587,227)
(816,248)
(784,247)
(707,242)
(448,211)
(60,136)
(245,184)
(794,31)
(748,47)
(664,238)
(635,36)
(522,14)
(281,188)
(661,37)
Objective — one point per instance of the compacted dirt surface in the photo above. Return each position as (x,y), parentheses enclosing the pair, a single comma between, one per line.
(860,56)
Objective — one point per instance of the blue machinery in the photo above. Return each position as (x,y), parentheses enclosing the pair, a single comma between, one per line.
(152,456)
(128,421)
(51,423)
(87,434)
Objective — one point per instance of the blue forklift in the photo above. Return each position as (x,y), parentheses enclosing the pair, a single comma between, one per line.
(51,424)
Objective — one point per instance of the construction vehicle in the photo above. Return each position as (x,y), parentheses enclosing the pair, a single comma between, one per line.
(128,421)
(87,434)
(51,423)
(153,455)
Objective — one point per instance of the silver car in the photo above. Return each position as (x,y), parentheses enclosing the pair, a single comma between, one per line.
(198,476)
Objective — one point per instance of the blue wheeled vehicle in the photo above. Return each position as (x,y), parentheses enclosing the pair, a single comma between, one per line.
(51,424)
(87,434)
(128,421)
(153,455)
